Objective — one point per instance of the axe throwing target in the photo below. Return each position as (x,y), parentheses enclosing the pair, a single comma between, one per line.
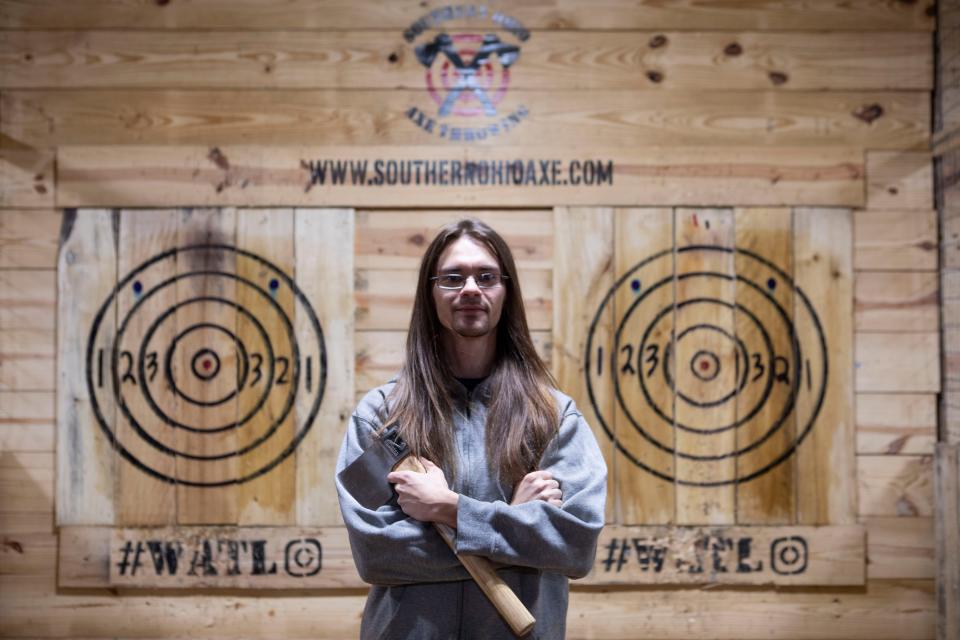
(764,371)
(179,372)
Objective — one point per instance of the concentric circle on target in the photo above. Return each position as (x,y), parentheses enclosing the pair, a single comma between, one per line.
(735,360)
(204,353)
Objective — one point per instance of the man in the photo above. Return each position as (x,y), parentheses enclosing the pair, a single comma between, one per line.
(527,482)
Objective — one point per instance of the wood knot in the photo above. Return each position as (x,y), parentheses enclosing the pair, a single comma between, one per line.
(162,3)
(733,49)
(893,191)
(655,76)
(216,157)
(868,113)
(658,41)
(393,57)
(28,57)
(417,239)
(14,545)
(39,188)
(778,77)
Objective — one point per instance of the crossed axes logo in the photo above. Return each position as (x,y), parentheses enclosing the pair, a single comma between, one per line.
(474,77)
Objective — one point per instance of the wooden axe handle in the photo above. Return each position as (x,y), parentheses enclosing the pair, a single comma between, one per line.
(521,621)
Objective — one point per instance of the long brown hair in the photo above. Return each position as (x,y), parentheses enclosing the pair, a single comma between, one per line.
(522,412)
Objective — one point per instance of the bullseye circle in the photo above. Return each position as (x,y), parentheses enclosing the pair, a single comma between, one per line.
(705,365)
(683,359)
(200,384)
(205,364)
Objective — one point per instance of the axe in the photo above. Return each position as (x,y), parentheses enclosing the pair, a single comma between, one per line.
(365,479)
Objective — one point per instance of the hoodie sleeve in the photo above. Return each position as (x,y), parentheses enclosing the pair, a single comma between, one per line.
(388,547)
(538,534)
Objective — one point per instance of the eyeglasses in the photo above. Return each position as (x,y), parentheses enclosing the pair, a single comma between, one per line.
(457,281)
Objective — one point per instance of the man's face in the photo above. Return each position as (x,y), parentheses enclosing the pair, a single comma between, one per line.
(469,312)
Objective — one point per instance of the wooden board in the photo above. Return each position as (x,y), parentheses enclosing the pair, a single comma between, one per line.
(730,555)
(902,240)
(27,490)
(874,120)
(86,465)
(268,498)
(27,420)
(145,499)
(584,237)
(897,362)
(823,316)
(645,462)
(624,175)
(27,360)
(770,497)
(899,180)
(581,60)
(397,238)
(895,486)
(27,299)
(900,547)
(703,364)
(897,301)
(867,15)
(896,423)
(207,557)
(26,178)
(206,315)
(246,557)
(882,610)
(327,282)
(28,238)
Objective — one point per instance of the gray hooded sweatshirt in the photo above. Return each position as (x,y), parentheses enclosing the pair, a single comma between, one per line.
(420,590)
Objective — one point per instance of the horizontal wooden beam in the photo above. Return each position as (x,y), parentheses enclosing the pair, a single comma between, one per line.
(570,61)
(400,14)
(158,176)
(320,558)
(874,120)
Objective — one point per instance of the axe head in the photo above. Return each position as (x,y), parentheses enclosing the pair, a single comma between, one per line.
(366,477)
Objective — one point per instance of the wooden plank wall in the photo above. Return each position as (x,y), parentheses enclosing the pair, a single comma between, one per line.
(740,79)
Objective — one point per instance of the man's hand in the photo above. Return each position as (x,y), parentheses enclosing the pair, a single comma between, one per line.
(426,496)
(538,485)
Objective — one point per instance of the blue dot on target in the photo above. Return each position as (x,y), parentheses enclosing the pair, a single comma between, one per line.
(771,284)
(274,285)
(635,285)
(137,288)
